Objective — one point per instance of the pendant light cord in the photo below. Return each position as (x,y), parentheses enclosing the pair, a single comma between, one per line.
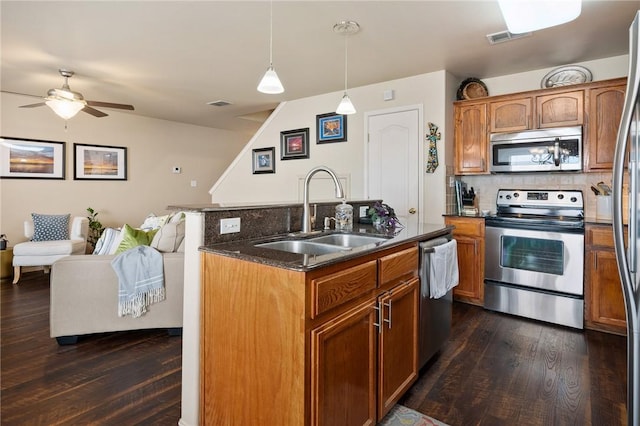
(346,61)
(271,33)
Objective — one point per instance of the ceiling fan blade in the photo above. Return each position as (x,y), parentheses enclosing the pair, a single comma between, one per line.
(110,105)
(21,94)
(93,112)
(33,105)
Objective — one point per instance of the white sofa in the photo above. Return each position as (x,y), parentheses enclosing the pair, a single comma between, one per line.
(84,298)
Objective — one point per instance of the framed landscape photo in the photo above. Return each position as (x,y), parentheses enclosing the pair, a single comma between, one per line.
(294,144)
(31,159)
(96,162)
(331,127)
(264,160)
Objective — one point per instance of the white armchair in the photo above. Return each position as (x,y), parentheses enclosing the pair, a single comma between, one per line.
(44,253)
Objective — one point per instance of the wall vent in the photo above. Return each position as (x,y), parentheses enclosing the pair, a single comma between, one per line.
(503,36)
(219,103)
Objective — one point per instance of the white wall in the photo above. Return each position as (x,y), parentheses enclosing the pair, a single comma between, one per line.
(239,185)
(153,148)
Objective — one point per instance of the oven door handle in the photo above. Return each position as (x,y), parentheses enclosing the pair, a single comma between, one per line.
(556,152)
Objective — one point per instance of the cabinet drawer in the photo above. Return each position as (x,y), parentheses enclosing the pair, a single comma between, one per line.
(403,264)
(467,226)
(601,236)
(334,289)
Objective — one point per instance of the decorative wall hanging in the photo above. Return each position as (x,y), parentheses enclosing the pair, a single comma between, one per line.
(432,156)
(472,88)
(95,162)
(331,127)
(264,160)
(294,144)
(31,159)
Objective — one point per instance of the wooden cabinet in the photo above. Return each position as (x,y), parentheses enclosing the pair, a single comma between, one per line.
(604,300)
(560,109)
(604,110)
(469,234)
(333,346)
(471,139)
(511,115)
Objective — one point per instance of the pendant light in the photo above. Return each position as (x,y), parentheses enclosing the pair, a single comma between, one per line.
(346,28)
(270,82)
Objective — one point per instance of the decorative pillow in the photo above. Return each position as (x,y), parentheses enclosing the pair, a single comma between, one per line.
(134,237)
(154,222)
(108,242)
(50,227)
(169,237)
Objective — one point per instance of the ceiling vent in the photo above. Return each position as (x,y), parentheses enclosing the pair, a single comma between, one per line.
(219,103)
(503,36)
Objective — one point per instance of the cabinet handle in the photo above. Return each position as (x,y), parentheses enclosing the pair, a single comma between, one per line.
(388,321)
(378,324)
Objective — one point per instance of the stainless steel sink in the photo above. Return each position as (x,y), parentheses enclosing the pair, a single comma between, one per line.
(348,240)
(303,247)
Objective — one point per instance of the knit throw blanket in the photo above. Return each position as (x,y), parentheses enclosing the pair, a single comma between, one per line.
(140,278)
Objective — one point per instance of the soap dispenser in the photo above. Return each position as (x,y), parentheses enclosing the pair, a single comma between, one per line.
(344,216)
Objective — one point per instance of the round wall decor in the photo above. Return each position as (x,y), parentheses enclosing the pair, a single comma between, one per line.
(472,88)
(565,76)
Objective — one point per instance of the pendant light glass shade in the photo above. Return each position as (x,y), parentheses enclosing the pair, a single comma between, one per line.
(523,16)
(345,107)
(270,83)
(65,108)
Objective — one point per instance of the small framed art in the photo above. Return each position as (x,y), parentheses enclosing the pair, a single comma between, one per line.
(97,162)
(294,144)
(31,159)
(331,127)
(264,160)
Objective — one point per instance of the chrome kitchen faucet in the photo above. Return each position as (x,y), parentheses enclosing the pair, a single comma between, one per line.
(306,210)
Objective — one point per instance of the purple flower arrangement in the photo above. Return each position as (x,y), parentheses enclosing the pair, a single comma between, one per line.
(384,216)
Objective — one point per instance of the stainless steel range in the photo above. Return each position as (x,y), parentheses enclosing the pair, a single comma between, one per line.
(534,256)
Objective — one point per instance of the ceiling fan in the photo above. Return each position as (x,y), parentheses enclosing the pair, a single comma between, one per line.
(67,103)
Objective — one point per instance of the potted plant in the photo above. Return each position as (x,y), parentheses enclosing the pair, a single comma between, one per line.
(95,228)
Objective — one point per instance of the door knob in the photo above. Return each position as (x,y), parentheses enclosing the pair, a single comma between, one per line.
(412,210)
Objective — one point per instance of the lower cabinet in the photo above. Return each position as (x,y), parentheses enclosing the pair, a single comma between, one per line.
(604,300)
(334,346)
(469,235)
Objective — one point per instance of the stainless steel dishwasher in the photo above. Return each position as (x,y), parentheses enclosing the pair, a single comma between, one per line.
(435,314)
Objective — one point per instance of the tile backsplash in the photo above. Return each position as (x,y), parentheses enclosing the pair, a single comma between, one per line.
(486,186)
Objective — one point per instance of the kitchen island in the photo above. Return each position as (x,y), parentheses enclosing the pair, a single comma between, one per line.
(299,339)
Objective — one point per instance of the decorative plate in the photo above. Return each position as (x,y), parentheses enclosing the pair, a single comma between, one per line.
(472,88)
(565,76)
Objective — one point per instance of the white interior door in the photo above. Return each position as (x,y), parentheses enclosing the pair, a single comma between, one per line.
(393,161)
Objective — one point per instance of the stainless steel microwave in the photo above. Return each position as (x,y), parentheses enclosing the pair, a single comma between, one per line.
(546,150)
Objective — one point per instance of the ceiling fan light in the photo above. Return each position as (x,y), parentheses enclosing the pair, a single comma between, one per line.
(270,83)
(346,106)
(65,109)
(523,16)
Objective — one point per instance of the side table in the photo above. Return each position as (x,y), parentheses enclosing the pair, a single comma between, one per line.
(6,260)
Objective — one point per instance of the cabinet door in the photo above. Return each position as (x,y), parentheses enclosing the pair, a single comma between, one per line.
(343,360)
(557,110)
(398,344)
(605,110)
(510,116)
(471,269)
(470,135)
(606,304)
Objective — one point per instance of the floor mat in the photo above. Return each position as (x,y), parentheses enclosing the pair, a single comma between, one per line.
(403,416)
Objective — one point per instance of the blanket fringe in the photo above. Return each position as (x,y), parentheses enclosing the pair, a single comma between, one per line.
(137,305)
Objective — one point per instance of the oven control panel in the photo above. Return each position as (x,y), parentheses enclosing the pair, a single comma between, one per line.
(540,198)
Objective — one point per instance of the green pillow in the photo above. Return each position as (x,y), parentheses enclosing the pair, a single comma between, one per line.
(132,237)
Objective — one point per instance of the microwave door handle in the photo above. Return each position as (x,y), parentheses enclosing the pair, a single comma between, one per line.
(556,152)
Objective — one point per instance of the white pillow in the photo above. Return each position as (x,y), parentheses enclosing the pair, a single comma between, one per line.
(154,222)
(169,237)
(108,241)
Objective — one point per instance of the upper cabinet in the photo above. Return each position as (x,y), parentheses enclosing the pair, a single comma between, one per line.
(471,139)
(597,106)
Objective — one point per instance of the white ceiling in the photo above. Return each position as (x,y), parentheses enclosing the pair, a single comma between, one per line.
(169,58)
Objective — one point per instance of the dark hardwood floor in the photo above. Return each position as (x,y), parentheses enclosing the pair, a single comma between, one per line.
(495,370)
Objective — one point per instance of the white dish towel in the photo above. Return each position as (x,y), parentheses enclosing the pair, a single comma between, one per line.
(443,269)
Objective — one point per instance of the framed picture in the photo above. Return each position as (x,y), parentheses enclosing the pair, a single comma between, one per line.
(331,127)
(31,159)
(264,160)
(95,162)
(294,144)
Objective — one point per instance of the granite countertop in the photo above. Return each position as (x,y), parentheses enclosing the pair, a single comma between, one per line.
(247,250)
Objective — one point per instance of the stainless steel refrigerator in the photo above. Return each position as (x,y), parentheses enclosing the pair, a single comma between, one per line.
(629,259)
